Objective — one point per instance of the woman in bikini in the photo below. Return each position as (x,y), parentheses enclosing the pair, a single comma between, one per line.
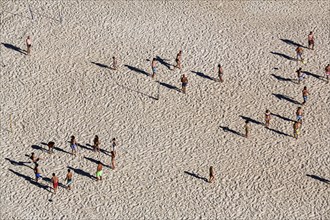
(267,118)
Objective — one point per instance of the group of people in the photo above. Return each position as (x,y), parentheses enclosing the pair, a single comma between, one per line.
(184,82)
(74,146)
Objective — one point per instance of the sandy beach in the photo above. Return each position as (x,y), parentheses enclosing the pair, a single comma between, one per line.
(167,140)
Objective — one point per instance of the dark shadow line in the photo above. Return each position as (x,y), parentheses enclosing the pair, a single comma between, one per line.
(282,117)
(313,75)
(19,163)
(12,47)
(284,97)
(283,55)
(251,120)
(57,148)
(169,86)
(137,70)
(101,65)
(280,78)
(319,178)
(32,181)
(96,161)
(279,132)
(85,147)
(227,129)
(203,75)
(37,147)
(290,42)
(196,176)
(163,62)
(81,172)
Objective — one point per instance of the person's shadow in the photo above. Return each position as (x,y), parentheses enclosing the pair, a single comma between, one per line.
(81,172)
(12,47)
(196,176)
(32,181)
(137,70)
(203,75)
(319,178)
(227,129)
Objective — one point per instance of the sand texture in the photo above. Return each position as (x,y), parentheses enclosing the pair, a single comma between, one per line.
(166,140)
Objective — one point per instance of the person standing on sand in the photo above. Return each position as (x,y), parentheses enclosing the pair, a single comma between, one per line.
(327,72)
(114,145)
(299,114)
(296,129)
(154,67)
(220,73)
(300,75)
(299,51)
(69,179)
(73,145)
(113,160)
(96,145)
(54,180)
(28,42)
(247,128)
(99,171)
(114,63)
(305,94)
(212,175)
(51,145)
(311,40)
(178,60)
(184,82)
(267,118)
(37,172)
(34,158)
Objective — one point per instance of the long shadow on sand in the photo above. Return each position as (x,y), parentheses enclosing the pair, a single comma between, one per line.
(282,117)
(280,78)
(96,161)
(227,129)
(137,70)
(12,47)
(196,176)
(19,163)
(251,120)
(163,62)
(319,178)
(279,132)
(101,65)
(284,97)
(283,55)
(203,75)
(57,148)
(313,75)
(32,181)
(90,148)
(169,86)
(81,172)
(37,147)
(290,42)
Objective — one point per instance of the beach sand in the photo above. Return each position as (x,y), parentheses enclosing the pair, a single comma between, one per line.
(166,140)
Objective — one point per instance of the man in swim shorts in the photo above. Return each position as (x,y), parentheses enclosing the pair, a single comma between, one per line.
(327,72)
(154,67)
(73,145)
(37,172)
(296,129)
(178,60)
(247,128)
(184,83)
(305,94)
(299,51)
(311,40)
(55,182)
(114,63)
(99,171)
(220,73)
(69,179)
(299,114)
(28,42)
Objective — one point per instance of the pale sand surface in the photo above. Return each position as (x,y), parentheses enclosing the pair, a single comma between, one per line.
(58,92)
